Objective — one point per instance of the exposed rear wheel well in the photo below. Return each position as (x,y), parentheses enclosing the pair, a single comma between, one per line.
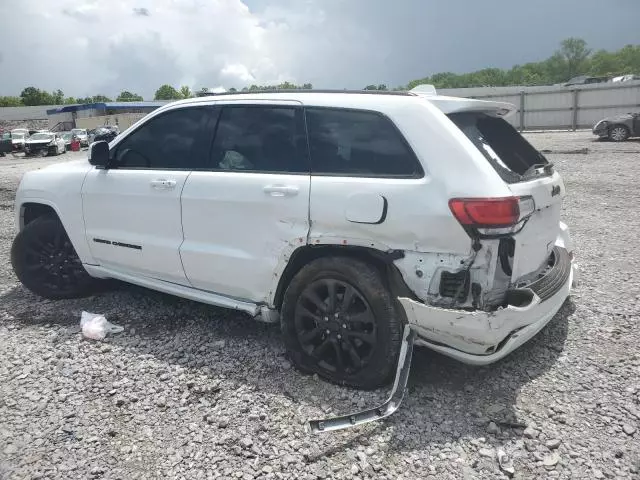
(31,211)
(382,261)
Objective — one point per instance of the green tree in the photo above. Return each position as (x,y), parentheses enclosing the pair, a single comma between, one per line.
(167,92)
(575,53)
(35,96)
(70,101)
(100,99)
(10,101)
(233,90)
(127,96)
(185,91)
(57,97)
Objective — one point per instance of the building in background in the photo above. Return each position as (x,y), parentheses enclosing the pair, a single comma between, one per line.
(92,115)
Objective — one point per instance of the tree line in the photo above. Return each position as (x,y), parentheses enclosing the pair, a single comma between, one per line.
(571,59)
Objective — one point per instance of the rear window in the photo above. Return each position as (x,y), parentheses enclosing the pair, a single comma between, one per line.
(509,153)
(358,143)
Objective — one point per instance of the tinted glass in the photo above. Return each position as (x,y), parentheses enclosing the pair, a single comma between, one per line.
(357,143)
(172,140)
(260,139)
(508,152)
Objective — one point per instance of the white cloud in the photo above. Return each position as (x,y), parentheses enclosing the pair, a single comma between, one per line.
(85,47)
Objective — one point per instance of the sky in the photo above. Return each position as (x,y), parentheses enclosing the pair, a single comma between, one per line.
(86,47)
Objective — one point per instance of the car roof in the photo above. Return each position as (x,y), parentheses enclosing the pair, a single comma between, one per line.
(359,99)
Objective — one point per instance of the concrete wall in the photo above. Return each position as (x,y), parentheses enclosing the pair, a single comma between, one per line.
(123,120)
(558,107)
(25,113)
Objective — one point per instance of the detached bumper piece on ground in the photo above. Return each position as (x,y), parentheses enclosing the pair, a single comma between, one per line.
(387,408)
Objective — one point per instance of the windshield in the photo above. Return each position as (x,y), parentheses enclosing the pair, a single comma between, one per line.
(18,136)
(79,131)
(41,136)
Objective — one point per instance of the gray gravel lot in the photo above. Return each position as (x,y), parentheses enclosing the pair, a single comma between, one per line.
(191,391)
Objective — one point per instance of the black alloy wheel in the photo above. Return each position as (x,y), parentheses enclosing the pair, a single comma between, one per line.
(340,320)
(335,325)
(45,261)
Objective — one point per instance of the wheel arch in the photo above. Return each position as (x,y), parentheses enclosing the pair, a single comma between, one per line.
(380,260)
(31,210)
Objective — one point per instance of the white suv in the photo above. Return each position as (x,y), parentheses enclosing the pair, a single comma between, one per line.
(343,215)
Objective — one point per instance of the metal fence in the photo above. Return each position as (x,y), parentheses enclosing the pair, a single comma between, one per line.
(558,107)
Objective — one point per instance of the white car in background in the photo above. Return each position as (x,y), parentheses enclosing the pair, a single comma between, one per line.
(44,143)
(362,222)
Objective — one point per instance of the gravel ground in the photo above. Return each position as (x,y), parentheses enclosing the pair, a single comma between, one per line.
(191,391)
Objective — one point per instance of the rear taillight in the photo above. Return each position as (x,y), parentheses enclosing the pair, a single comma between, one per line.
(492,216)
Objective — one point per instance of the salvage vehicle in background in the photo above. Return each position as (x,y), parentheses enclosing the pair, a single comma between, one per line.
(361,221)
(66,138)
(82,135)
(18,140)
(44,143)
(103,133)
(5,144)
(618,128)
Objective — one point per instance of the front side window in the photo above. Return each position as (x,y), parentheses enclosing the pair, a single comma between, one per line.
(358,143)
(170,141)
(260,139)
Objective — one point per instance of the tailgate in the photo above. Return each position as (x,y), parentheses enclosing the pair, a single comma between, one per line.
(534,243)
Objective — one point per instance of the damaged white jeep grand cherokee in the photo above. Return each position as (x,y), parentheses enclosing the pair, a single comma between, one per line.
(344,215)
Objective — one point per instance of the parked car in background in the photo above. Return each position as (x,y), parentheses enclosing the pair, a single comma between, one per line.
(66,137)
(619,127)
(106,133)
(5,144)
(17,141)
(44,143)
(82,135)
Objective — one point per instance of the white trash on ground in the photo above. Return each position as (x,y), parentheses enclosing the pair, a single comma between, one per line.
(96,326)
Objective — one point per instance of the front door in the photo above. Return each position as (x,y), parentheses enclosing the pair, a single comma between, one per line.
(636,125)
(132,209)
(245,216)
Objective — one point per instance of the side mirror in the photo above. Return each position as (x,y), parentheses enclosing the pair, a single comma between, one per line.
(99,154)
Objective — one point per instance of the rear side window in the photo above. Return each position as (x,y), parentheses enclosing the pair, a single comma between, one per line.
(358,143)
(260,139)
(509,153)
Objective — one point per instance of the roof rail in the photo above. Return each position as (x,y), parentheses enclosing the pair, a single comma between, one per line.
(300,90)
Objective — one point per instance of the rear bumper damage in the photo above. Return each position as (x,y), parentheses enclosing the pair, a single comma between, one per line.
(477,338)
(480,338)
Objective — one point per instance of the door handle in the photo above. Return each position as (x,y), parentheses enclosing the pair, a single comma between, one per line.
(162,184)
(281,190)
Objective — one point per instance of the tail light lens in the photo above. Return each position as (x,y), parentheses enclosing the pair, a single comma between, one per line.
(493,216)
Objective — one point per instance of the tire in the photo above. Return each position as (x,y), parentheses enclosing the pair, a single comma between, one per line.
(618,133)
(314,345)
(46,263)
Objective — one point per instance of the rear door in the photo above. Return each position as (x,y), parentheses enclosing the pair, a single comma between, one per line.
(528,174)
(245,214)
(636,125)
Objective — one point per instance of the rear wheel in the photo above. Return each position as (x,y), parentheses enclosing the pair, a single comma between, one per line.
(46,263)
(340,321)
(618,133)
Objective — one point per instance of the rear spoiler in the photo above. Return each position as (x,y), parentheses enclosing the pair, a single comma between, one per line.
(459,104)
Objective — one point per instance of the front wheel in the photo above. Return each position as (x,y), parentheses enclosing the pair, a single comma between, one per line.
(340,320)
(46,263)
(618,133)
